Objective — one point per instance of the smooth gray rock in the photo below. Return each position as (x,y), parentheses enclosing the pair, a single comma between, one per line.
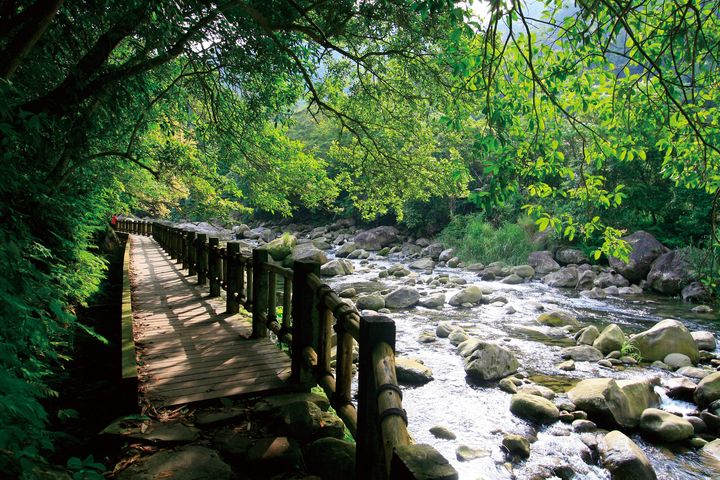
(337,267)
(610,339)
(403,297)
(582,353)
(624,459)
(567,277)
(534,408)
(331,459)
(472,294)
(543,262)
(490,362)
(412,372)
(704,340)
(665,337)
(376,238)
(665,426)
(644,250)
(670,273)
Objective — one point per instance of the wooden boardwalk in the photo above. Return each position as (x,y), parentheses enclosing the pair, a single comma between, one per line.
(188,350)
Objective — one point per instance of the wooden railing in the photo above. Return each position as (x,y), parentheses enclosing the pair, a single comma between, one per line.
(311,311)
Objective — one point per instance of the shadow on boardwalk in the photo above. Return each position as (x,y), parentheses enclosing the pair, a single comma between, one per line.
(187,349)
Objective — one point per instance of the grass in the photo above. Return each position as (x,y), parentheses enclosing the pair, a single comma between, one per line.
(476,240)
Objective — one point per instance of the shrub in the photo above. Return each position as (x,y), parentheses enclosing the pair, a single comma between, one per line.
(475,240)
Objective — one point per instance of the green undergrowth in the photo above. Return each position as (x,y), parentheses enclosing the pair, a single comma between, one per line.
(476,240)
(347,436)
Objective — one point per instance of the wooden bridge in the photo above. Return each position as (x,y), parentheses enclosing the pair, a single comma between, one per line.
(191,345)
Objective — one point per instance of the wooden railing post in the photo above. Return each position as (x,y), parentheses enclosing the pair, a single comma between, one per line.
(185,248)
(192,260)
(214,266)
(260,293)
(232,261)
(371,458)
(201,255)
(305,323)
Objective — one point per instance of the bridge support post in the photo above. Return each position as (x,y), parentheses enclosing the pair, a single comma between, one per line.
(305,321)
(192,259)
(260,293)
(370,457)
(185,248)
(232,261)
(214,266)
(201,252)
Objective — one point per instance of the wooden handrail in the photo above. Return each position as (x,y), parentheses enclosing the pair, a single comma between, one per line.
(311,311)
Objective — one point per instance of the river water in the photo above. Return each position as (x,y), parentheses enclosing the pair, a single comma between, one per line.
(480,415)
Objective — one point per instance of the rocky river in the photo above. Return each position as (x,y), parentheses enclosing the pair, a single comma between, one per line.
(446,312)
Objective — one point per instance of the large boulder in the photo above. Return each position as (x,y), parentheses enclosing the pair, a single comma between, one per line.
(708,390)
(490,362)
(472,294)
(567,256)
(403,297)
(412,372)
(534,408)
(281,247)
(665,426)
(543,262)
(587,335)
(667,336)
(564,278)
(610,339)
(644,249)
(337,267)
(305,252)
(609,279)
(373,301)
(433,251)
(423,264)
(376,238)
(624,459)
(558,318)
(615,403)
(670,273)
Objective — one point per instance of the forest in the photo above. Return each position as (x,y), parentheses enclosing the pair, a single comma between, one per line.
(589,119)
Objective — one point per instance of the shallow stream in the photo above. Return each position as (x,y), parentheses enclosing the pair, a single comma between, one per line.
(480,415)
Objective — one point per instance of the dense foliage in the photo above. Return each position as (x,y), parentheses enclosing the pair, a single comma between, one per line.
(414,109)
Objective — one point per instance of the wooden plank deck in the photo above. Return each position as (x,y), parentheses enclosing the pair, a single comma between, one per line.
(188,350)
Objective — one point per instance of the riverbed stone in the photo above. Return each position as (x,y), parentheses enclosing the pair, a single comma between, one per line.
(624,459)
(427,336)
(410,371)
(513,279)
(611,402)
(423,264)
(444,433)
(507,386)
(708,390)
(644,249)
(524,271)
(596,293)
(186,463)
(331,459)
(465,453)
(694,372)
(281,247)
(665,337)
(444,329)
(610,339)
(665,426)
(370,302)
(669,273)
(436,300)
(568,256)
(704,340)
(568,365)
(566,277)
(337,267)
(558,318)
(680,388)
(587,335)
(534,408)
(466,348)
(543,262)
(376,238)
(582,353)
(346,249)
(403,297)
(359,254)
(458,336)
(583,426)
(305,252)
(516,445)
(677,360)
(490,362)
(472,294)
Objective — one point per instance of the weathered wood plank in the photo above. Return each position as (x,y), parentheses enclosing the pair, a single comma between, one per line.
(188,349)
